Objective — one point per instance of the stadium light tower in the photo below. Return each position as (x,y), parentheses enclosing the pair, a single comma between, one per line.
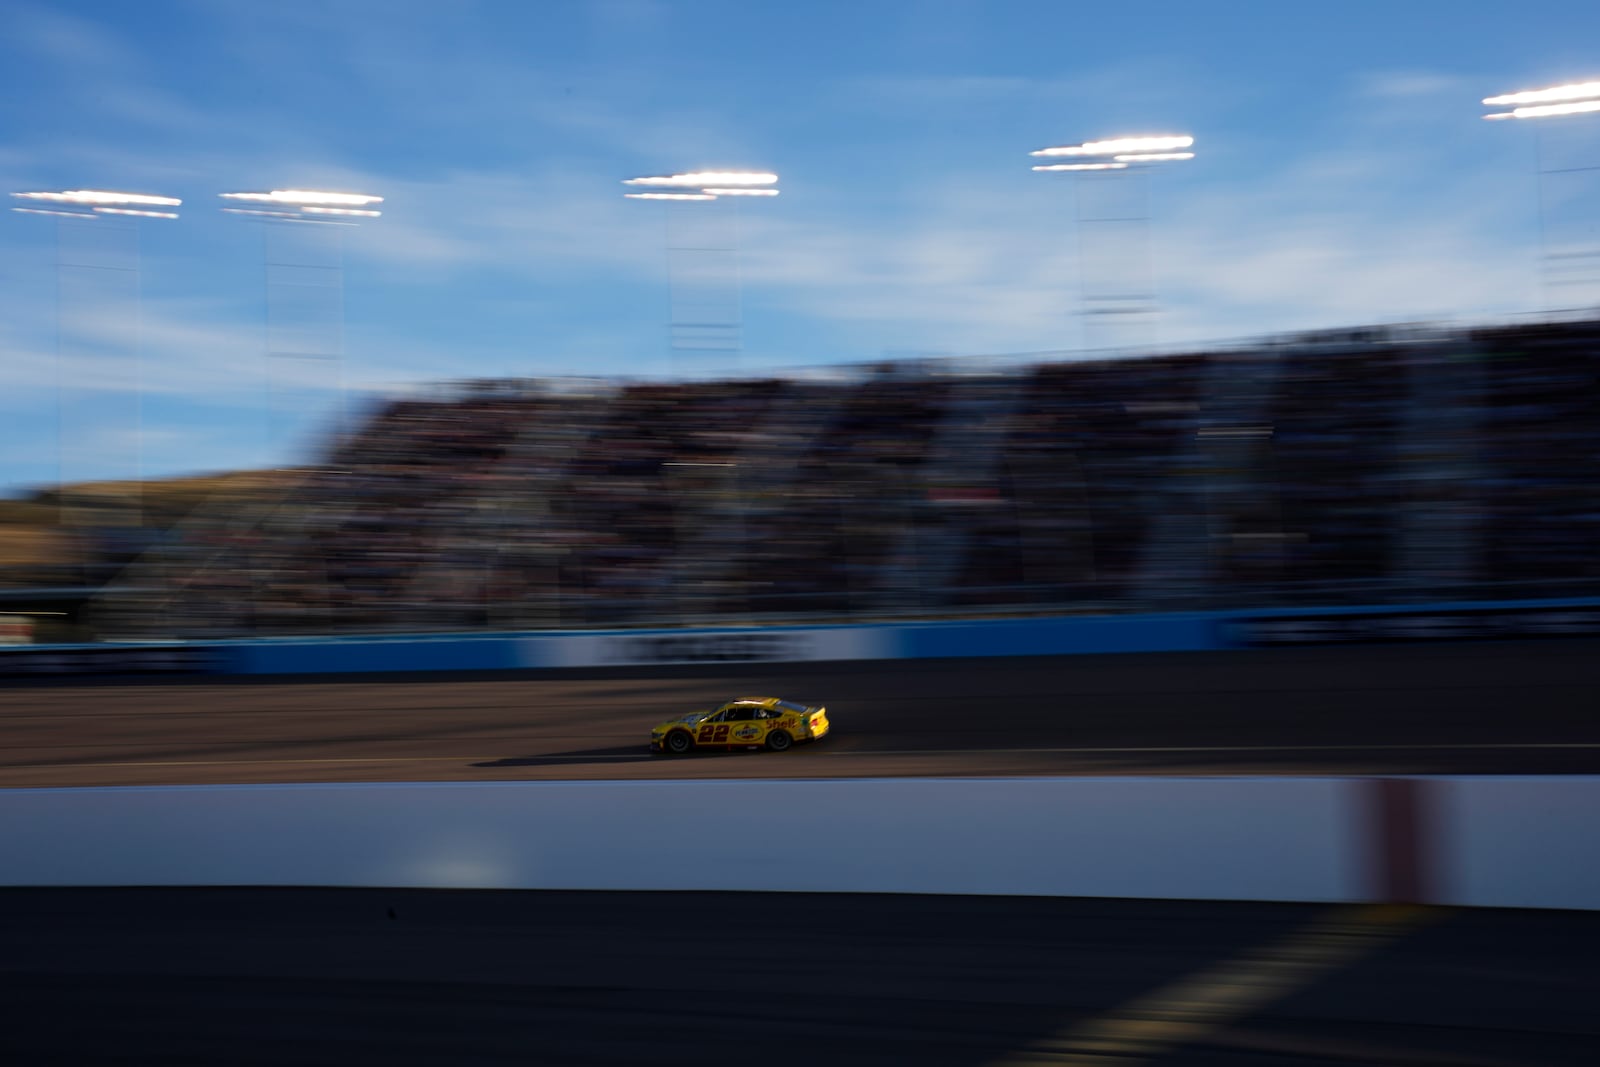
(123,212)
(703,270)
(302,252)
(1116,281)
(1567,164)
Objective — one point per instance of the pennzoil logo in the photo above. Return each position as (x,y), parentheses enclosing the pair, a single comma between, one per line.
(747,732)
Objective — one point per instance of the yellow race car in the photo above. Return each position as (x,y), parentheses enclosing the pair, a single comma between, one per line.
(748,722)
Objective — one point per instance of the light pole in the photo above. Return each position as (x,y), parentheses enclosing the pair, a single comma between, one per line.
(70,208)
(1567,190)
(703,270)
(302,253)
(1116,281)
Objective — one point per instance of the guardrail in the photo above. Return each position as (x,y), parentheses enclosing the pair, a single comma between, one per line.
(1497,842)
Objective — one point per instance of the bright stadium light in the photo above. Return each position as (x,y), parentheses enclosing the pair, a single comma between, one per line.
(136,211)
(296,204)
(1154,157)
(701,179)
(1544,111)
(669,196)
(1575,91)
(1120,145)
(1081,166)
(1578,98)
(285,216)
(738,192)
(306,196)
(99,196)
(57,214)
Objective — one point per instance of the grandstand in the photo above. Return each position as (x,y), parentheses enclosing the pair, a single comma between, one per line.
(1365,466)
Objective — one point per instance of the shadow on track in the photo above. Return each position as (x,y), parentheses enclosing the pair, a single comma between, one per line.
(614,754)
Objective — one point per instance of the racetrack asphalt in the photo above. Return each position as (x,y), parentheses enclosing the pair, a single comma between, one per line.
(403,977)
(1460,708)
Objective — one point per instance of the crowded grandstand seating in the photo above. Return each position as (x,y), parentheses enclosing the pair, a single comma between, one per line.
(1313,469)
(1540,492)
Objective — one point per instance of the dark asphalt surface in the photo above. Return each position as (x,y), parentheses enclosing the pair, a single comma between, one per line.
(399,977)
(234,976)
(1469,708)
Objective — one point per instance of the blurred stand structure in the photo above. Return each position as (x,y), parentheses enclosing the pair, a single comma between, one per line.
(1567,175)
(302,267)
(99,374)
(1116,271)
(303,243)
(99,299)
(705,328)
(1363,466)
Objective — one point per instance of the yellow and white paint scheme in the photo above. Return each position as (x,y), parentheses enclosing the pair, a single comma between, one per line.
(748,722)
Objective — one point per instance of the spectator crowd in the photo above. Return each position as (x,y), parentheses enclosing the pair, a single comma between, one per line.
(1315,470)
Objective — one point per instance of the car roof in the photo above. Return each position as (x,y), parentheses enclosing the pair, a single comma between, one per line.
(765,702)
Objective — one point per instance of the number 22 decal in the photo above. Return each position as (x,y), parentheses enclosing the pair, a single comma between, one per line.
(712,735)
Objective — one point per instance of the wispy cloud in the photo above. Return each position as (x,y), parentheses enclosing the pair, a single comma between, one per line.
(1409,84)
(908,221)
(62,38)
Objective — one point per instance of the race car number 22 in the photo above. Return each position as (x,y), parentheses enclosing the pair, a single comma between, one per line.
(712,735)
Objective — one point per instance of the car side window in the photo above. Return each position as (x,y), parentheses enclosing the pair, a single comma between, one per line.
(741,714)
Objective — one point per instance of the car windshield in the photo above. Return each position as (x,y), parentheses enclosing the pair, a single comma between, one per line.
(789,705)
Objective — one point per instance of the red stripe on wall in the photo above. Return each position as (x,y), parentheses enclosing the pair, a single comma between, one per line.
(1401,840)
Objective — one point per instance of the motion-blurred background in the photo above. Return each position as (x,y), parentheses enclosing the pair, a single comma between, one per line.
(1334,349)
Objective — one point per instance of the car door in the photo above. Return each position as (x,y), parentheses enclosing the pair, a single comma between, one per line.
(714,729)
(748,725)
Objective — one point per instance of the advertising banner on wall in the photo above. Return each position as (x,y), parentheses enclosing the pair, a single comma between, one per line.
(1431,623)
(24,661)
(663,647)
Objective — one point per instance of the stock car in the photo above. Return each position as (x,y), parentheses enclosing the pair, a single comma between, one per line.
(748,722)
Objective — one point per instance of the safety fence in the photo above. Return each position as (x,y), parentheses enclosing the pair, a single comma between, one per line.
(1490,842)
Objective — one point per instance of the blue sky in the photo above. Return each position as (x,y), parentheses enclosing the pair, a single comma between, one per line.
(1343,176)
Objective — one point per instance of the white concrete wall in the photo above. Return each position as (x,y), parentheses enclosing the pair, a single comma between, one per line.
(1499,842)
(1520,842)
(1256,839)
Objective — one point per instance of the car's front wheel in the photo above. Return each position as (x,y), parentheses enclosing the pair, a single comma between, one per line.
(778,740)
(679,742)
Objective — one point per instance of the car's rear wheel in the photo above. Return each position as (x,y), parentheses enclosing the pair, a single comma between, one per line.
(679,742)
(778,740)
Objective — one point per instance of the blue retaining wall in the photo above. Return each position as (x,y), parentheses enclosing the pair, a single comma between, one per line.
(372,655)
(1077,635)
(1195,632)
